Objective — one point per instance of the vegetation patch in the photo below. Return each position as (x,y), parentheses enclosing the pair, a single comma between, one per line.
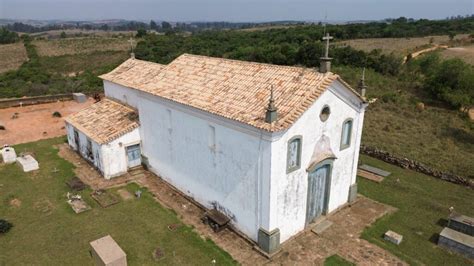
(439,137)
(423,204)
(5,226)
(87,45)
(336,260)
(399,46)
(12,56)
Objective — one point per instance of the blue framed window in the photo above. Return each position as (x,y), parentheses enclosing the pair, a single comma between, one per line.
(293,161)
(346,133)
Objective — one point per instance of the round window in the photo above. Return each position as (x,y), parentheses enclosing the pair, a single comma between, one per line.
(325,113)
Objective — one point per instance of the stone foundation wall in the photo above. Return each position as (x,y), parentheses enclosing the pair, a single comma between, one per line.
(416,166)
(14,102)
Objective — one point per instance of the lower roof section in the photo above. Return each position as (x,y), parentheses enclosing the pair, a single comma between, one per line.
(105,121)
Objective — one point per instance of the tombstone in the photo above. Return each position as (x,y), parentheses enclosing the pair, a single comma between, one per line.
(393,237)
(457,242)
(28,163)
(105,251)
(8,155)
(79,97)
(461,223)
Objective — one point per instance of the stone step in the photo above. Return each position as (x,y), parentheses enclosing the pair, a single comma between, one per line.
(321,227)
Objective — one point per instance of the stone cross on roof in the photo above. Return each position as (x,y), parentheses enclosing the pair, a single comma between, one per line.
(271,114)
(327,38)
(325,65)
(132,46)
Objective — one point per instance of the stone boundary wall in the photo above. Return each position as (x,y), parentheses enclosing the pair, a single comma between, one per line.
(415,166)
(14,102)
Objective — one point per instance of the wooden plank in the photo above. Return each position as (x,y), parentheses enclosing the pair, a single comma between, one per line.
(370,176)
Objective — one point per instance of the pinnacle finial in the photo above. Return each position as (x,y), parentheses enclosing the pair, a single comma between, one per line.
(271,115)
(362,86)
(132,46)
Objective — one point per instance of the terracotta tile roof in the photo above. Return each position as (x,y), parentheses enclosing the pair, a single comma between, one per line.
(104,121)
(234,89)
(134,73)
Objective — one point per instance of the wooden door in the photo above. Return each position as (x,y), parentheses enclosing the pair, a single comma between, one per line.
(317,193)
(134,155)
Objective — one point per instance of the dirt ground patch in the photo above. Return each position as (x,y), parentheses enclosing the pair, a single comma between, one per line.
(36,122)
(15,203)
(465,53)
(44,206)
(12,56)
(124,194)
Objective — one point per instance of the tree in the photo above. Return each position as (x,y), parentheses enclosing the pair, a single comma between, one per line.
(153,25)
(63,35)
(104,27)
(451,81)
(140,33)
(451,35)
(7,36)
(166,26)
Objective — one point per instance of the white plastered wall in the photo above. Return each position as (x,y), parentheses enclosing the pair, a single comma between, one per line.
(288,210)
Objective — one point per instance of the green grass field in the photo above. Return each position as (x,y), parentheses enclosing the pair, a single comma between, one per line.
(47,232)
(423,204)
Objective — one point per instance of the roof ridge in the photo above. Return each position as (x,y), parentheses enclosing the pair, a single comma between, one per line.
(145,61)
(251,62)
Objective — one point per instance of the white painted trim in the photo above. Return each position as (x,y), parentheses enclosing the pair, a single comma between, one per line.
(343,93)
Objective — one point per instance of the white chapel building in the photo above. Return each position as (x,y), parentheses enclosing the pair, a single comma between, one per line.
(273,147)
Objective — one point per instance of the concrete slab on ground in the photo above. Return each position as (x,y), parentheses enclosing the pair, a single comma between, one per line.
(321,227)
(27,163)
(374,170)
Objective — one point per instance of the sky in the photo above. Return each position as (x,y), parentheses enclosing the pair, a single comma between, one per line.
(233,10)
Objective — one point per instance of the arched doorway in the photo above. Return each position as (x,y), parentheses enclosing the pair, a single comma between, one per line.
(319,180)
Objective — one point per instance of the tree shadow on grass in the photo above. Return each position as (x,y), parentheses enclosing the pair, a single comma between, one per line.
(459,135)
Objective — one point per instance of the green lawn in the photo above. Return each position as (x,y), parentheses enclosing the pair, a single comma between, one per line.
(336,260)
(423,204)
(47,232)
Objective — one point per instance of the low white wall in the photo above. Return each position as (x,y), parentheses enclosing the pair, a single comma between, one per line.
(289,208)
(114,154)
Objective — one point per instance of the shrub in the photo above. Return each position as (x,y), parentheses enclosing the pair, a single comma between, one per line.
(57,114)
(5,226)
